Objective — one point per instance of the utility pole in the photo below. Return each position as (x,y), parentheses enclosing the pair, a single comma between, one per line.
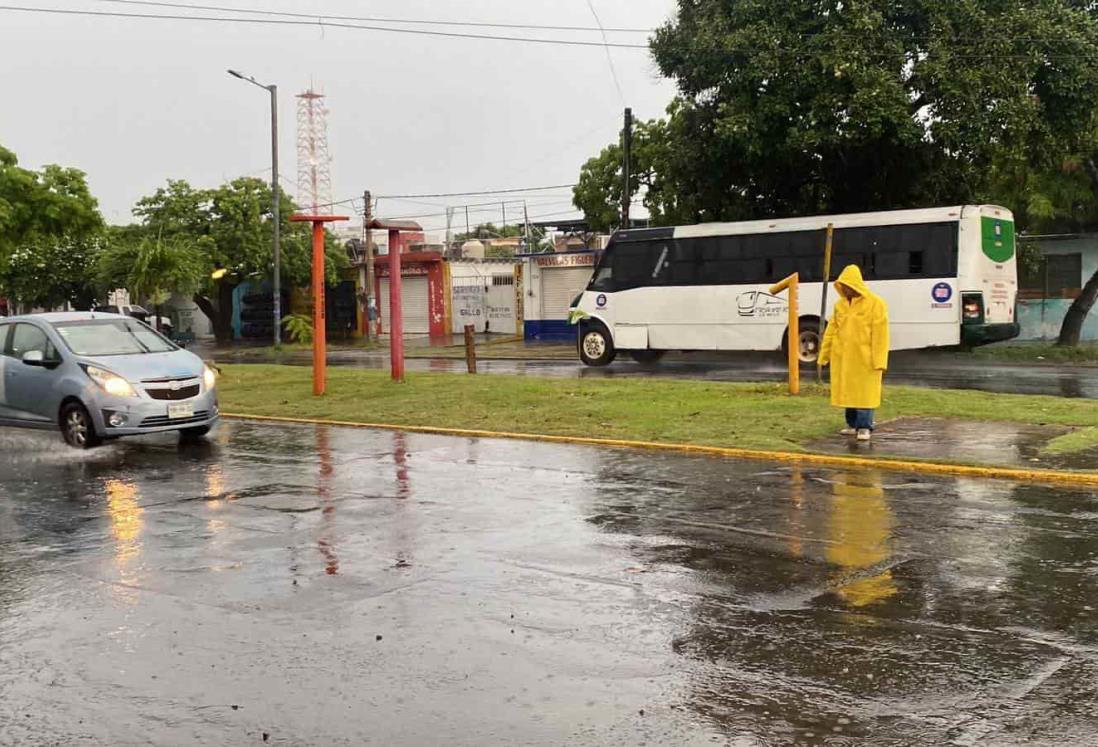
(371,302)
(449,232)
(467,231)
(503,207)
(626,165)
(526,222)
(277,218)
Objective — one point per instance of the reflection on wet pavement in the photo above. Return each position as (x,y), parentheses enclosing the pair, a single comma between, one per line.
(329,586)
(944,439)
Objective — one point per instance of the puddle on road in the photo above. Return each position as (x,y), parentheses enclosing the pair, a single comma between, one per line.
(1000,444)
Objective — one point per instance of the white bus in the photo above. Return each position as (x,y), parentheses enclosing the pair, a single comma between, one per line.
(949,276)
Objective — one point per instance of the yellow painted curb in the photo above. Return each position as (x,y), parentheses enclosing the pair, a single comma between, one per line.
(1057,477)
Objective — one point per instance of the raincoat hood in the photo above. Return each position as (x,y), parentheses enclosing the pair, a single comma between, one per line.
(851,277)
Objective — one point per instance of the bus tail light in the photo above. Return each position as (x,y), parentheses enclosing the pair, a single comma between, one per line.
(972,307)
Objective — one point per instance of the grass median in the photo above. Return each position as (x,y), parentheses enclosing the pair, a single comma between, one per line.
(751,416)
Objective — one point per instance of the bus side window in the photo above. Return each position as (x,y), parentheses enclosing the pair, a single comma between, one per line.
(915,263)
(684,261)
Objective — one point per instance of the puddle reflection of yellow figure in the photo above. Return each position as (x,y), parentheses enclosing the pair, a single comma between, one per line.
(125,514)
(860,530)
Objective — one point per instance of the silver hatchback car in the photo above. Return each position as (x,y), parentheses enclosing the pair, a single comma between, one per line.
(101,376)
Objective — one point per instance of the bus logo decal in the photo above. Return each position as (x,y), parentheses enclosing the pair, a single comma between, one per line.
(600,300)
(760,305)
(941,294)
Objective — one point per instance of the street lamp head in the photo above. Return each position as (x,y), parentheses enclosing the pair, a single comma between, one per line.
(237,74)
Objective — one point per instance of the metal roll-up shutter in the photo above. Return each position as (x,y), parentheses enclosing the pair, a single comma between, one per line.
(413,298)
(559,285)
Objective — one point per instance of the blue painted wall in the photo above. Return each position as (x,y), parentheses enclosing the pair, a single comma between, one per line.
(549,329)
(1041,319)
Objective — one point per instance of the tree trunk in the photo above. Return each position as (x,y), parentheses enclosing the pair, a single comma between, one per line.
(1072,328)
(220,317)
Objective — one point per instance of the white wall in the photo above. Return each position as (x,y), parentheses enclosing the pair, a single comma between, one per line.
(186,316)
(475,300)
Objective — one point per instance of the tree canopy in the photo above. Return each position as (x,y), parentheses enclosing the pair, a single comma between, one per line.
(50,231)
(806,107)
(224,228)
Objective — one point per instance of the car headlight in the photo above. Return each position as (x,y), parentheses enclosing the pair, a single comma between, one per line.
(209,377)
(110,383)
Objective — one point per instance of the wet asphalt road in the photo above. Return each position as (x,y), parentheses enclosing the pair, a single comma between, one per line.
(308,585)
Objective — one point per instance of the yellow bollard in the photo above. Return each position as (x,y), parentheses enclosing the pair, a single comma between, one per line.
(792,283)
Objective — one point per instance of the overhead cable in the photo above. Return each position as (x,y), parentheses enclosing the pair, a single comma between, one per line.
(319,23)
(372,19)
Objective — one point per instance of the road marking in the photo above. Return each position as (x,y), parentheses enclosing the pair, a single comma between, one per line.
(1055,477)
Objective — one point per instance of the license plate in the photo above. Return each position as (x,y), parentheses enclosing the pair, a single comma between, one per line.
(181,410)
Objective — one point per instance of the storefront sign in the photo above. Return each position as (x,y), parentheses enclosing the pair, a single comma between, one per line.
(586,259)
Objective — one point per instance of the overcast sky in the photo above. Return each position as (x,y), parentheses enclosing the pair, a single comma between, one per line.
(135,102)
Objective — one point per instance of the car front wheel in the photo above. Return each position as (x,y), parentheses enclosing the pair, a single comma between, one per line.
(77,427)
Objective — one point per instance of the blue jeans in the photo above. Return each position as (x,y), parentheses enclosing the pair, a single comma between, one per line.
(859,419)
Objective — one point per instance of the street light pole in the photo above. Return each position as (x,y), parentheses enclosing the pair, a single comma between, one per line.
(276,209)
(276,279)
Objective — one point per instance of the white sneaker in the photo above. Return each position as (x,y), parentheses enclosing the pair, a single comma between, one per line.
(847,432)
(864,434)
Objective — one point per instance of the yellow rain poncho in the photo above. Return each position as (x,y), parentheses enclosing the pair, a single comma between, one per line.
(855,344)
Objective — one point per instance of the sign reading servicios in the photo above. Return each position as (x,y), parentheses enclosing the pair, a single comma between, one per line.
(998,238)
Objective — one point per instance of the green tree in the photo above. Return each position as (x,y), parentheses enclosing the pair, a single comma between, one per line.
(230,228)
(805,107)
(50,233)
(151,268)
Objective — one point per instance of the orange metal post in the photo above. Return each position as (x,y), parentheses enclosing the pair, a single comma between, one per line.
(320,316)
(320,341)
(396,309)
(792,284)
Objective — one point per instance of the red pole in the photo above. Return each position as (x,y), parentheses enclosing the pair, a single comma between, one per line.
(320,329)
(396,317)
(320,341)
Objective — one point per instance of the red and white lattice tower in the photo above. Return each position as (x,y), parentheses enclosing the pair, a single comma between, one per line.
(314,169)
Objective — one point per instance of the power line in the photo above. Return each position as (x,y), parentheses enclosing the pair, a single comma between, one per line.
(903,55)
(609,58)
(482,192)
(318,24)
(371,19)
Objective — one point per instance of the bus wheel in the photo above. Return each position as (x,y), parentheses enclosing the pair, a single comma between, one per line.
(646,356)
(808,348)
(596,347)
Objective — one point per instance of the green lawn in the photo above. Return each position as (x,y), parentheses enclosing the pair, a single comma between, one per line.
(761,416)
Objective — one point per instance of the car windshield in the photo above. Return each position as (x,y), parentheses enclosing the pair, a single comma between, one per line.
(112,337)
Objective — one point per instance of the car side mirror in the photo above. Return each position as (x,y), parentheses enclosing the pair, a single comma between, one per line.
(34,358)
(38,358)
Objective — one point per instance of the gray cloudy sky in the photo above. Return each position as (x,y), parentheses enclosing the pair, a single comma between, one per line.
(135,102)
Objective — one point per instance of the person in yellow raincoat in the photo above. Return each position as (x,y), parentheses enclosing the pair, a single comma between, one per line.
(855,345)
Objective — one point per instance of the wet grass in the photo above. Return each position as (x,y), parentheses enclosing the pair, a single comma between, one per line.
(1038,352)
(1073,442)
(760,416)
